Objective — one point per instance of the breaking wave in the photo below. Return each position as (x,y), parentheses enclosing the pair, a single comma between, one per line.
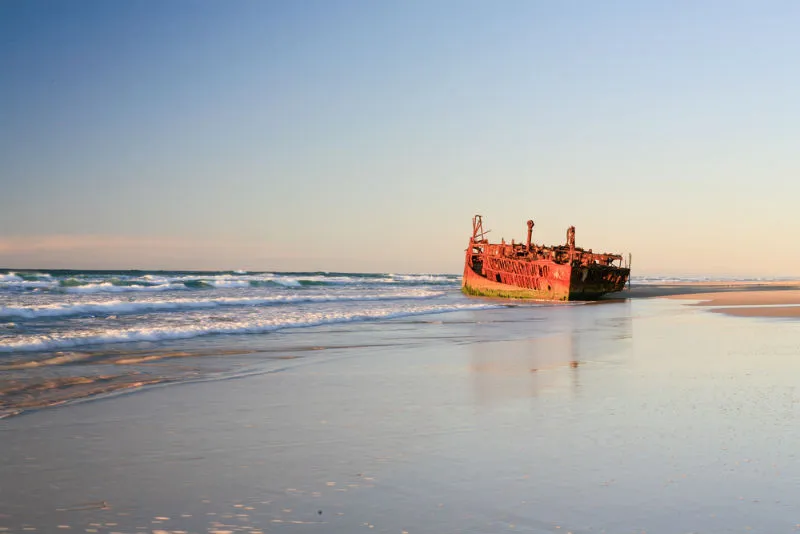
(122,281)
(125,307)
(111,287)
(296,319)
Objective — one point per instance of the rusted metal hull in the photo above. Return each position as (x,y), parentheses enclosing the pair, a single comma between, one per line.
(543,273)
(564,282)
(508,284)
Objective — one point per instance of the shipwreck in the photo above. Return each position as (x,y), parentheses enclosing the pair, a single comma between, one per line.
(530,271)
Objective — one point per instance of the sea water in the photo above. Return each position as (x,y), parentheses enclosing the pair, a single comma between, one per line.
(69,334)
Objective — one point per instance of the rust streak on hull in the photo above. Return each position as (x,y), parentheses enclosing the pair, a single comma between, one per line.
(528,271)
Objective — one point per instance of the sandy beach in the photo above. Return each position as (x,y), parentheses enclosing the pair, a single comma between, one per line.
(688,290)
(742,299)
(766,302)
(634,415)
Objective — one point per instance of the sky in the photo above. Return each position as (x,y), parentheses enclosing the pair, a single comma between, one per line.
(363,136)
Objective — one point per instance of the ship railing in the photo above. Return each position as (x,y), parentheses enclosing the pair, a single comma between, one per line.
(478,233)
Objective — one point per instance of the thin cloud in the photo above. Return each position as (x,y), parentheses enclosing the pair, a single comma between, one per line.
(130,252)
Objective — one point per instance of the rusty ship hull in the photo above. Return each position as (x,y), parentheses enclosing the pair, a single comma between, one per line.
(528,271)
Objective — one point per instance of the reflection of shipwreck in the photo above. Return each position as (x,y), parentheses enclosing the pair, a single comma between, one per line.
(523,368)
(529,271)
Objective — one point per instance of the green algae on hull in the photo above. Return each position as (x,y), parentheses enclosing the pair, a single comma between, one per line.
(506,294)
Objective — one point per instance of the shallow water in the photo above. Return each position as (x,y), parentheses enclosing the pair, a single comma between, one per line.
(643,415)
(67,335)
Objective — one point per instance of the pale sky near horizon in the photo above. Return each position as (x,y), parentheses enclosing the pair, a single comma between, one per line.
(363,136)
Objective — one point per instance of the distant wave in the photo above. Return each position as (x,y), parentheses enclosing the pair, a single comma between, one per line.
(27,284)
(110,287)
(289,320)
(426,278)
(122,307)
(13,280)
(78,282)
(30,277)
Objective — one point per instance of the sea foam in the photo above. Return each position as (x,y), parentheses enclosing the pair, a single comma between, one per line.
(109,287)
(126,307)
(296,319)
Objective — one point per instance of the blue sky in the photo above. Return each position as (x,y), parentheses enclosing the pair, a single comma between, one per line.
(355,135)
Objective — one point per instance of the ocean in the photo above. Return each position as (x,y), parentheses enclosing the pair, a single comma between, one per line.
(59,310)
(67,334)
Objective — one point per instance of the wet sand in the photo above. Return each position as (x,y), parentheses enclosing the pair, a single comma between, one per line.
(741,299)
(622,416)
(69,376)
(703,288)
(776,312)
(764,303)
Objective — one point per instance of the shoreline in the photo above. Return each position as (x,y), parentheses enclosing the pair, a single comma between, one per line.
(739,299)
(688,289)
(24,394)
(782,303)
